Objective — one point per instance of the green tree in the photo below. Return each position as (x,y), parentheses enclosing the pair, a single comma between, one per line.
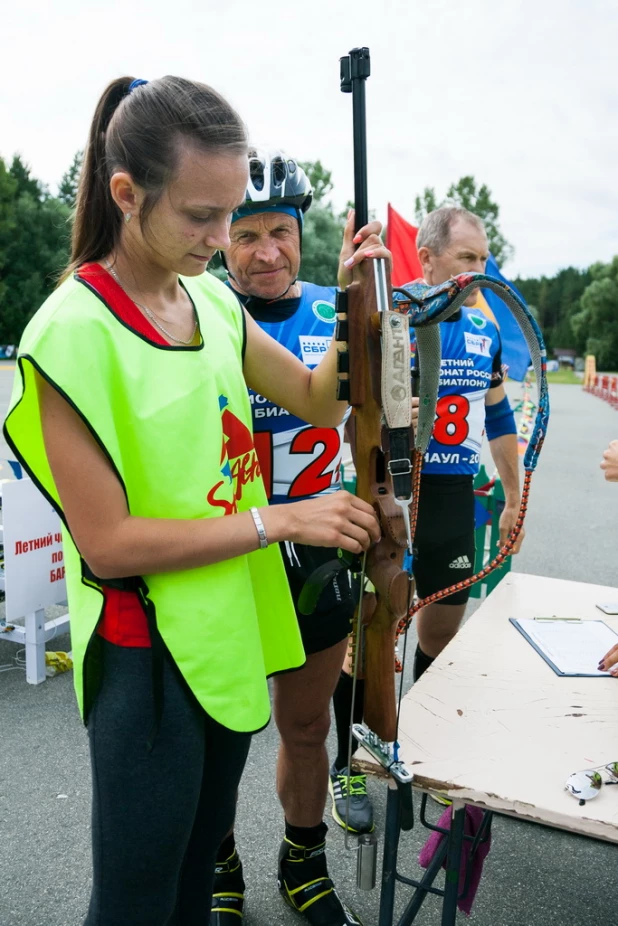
(26,184)
(597,322)
(558,301)
(67,191)
(322,238)
(323,229)
(467,194)
(319,177)
(34,246)
(8,186)
(425,203)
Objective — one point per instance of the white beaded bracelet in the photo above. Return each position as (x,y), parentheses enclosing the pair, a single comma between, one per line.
(259,526)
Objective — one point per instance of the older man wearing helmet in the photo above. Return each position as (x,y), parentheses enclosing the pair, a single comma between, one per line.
(297,461)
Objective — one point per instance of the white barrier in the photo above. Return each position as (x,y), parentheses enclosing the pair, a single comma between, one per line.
(33,573)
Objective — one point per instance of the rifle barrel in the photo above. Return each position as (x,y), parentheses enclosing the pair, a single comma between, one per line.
(355,69)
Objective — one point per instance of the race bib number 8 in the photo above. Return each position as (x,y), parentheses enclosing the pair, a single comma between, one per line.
(451,425)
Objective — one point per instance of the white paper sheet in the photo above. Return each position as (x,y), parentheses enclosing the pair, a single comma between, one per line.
(574,647)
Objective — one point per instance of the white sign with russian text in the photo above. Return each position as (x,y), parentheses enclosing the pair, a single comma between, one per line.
(33,556)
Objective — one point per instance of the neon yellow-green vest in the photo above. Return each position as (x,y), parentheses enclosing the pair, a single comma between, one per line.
(176,425)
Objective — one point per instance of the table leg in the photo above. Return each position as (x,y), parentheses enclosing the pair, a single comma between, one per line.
(418,898)
(35,647)
(389,861)
(453,864)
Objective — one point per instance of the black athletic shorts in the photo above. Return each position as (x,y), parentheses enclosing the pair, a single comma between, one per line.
(331,621)
(444,542)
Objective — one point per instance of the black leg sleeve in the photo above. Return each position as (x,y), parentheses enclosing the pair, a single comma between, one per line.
(342,704)
(421,663)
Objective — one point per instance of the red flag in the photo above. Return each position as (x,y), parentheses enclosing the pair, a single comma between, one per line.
(401,242)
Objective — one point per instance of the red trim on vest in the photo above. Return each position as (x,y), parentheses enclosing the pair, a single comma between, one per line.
(114,295)
(123,622)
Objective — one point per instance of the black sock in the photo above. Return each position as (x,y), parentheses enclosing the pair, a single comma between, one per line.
(306,836)
(421,663)
(226,848)
(342,704)
(309,869)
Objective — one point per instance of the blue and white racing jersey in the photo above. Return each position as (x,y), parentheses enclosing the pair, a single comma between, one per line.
(471,364)
(297,460)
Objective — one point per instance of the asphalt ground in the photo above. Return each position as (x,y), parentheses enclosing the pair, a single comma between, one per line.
(533,875)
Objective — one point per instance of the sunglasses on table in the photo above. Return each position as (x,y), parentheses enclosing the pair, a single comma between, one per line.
(586,784)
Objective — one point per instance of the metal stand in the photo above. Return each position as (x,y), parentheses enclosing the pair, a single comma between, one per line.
(451,849)
(33,635)
(453,864)
(392,828)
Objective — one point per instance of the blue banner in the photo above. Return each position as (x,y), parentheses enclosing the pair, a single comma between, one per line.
(515,353)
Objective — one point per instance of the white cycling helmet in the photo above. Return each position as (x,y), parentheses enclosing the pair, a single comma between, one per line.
(275,180)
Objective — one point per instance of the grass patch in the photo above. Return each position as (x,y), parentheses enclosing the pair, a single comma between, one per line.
(565,377)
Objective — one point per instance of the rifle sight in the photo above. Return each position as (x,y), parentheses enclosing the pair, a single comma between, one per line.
(355,66)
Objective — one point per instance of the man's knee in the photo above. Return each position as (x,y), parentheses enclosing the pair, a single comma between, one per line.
(433,644)
(439,636)
(437,625)
(305,732)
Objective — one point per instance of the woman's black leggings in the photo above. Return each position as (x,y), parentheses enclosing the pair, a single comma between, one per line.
(158,816)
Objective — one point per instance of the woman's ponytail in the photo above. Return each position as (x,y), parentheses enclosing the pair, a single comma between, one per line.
(97,221)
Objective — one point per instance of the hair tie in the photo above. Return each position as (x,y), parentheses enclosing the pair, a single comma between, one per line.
(136,83)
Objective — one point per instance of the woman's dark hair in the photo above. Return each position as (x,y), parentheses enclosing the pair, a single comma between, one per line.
(139,131)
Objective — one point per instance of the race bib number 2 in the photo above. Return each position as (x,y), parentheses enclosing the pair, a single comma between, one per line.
(304,480)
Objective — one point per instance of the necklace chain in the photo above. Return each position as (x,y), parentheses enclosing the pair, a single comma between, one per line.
(151,315)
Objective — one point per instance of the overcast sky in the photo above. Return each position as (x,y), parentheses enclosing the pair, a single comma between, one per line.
(523,95)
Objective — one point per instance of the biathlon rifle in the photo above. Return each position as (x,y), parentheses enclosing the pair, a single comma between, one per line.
(374,377)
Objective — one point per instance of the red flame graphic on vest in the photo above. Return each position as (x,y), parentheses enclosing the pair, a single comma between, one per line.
(239,438)
(239,463)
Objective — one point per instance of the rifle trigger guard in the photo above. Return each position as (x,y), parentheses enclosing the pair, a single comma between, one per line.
(315,585)
(320,578)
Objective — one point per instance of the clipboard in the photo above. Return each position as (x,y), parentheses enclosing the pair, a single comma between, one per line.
(555,640)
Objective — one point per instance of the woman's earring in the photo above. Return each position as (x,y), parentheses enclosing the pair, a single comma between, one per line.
(127,217)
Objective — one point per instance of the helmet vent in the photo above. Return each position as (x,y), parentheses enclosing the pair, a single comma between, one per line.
(256,172)
(280,171)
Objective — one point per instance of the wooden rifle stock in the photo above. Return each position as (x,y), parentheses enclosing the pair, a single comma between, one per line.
(384,608)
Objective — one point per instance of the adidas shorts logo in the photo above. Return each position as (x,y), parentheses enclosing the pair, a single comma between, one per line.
(462,562)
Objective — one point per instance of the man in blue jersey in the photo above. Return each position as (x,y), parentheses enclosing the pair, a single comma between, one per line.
(471,401)
(297,461)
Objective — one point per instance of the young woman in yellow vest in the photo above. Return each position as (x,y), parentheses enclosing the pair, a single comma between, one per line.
(131,413)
